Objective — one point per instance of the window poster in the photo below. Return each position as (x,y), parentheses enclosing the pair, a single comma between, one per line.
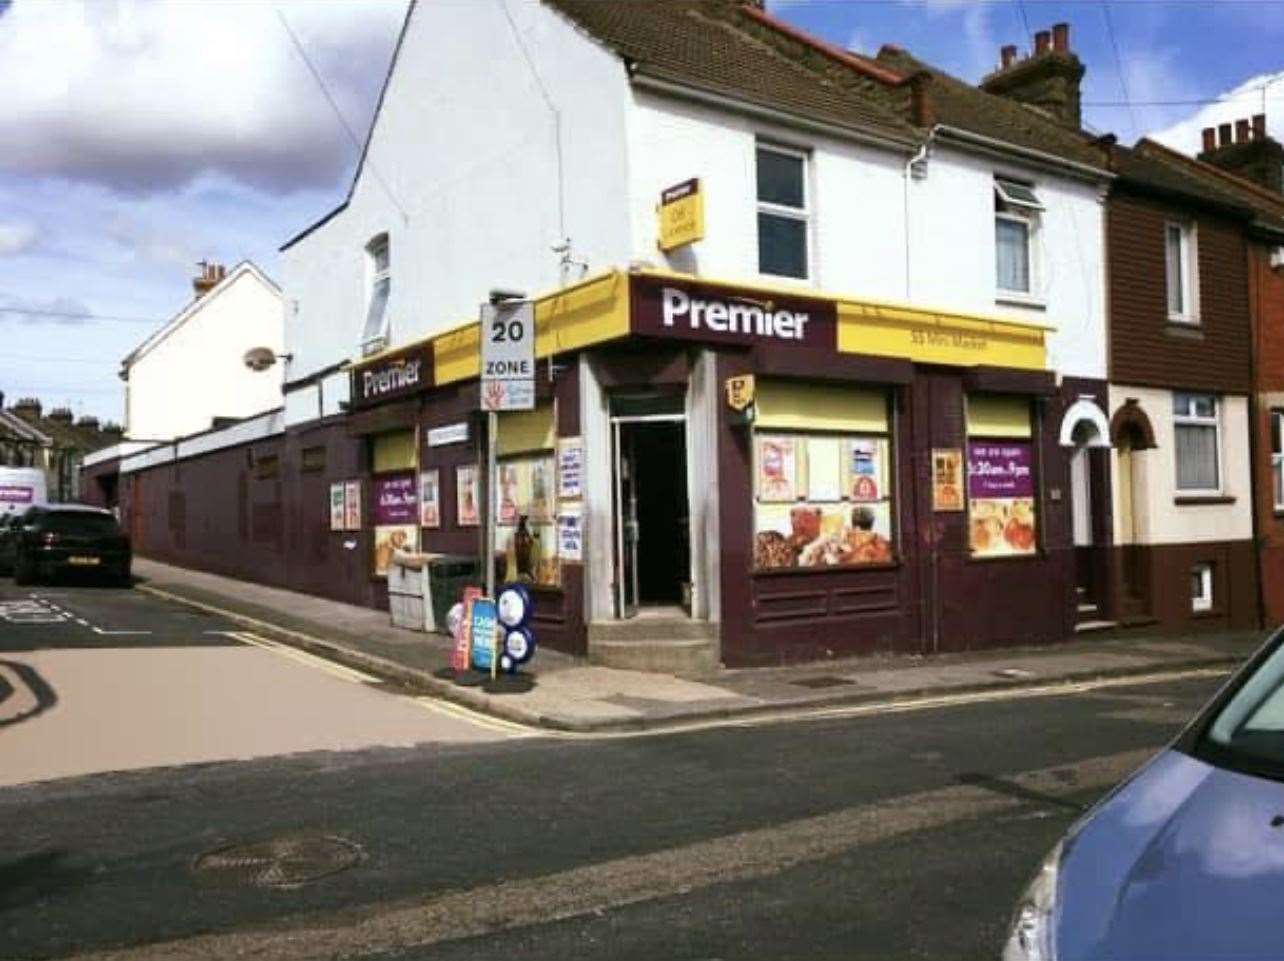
(866,469)
(570,533)
(337,500)
(395,499)
(529,552)
(540,506)
(823,535)
(390,538)
(777,468)
(508,493)
(570,467)
(352,505)
(467,495)
(947,479)
(1000,490)
(824,469)
(430,498)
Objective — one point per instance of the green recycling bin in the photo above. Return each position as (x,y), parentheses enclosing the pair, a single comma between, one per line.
(448,575)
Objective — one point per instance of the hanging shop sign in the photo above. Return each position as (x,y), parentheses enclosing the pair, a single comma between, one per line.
(947,479)
(391,376)
(673,309)
(448,434)
(681,214)
(740,392)
(508,356)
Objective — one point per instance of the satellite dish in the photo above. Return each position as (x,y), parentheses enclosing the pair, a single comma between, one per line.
(259,358)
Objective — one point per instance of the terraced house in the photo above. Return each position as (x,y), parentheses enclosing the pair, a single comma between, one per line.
(825,363)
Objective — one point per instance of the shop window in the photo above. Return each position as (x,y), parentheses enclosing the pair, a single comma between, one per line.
(266,466)
(782,212)
(1017,217)
(526,497)
(1001,505)
(374,334)
(312,460)
(1179,263)
(1197,446)
(823,491)
(1201,587)
(394,451)
(1277,458)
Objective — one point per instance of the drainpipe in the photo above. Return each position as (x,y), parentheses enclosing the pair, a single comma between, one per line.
(915,162)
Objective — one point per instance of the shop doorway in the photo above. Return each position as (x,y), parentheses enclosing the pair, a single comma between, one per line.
(650,511)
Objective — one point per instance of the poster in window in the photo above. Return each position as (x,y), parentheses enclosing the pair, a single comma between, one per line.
(430,498)
(570,467)
(824,469)
(337,507)
(808,535)
(570,533)
(947,479)
(540,506)
(528,552)
(352,505)
(506,509)
(1000,488)
(390,538)
(865,469)
(467,495)
(395,500)
(777,468)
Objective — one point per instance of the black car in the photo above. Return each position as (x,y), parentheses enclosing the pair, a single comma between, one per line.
(8,532)
(59,538)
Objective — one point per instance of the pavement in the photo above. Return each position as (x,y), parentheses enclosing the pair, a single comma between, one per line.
(562,693)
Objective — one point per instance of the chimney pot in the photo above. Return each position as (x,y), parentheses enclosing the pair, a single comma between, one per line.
(1007,55)
(211,274)
(1061,37)
(1241,131)
(1223,135)
(1259,126)
(1210,140)
(1042,40)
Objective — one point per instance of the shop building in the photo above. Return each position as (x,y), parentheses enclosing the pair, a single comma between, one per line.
(1181,384)
(880,247)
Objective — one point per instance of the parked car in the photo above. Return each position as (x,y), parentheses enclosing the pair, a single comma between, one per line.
(1185,860)
(69,537)
(8,532)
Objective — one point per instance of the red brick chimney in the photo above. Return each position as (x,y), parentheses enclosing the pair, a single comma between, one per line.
(61,415)
(1259,126)
(1210,140)
(209,277)
(1241,131)
(1252,154)
(1007,56)
(28,408)
(1049,78)
(1223,135)
(1061,37)
(1042,42)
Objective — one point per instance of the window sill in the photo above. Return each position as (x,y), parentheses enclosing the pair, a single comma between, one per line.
(1038,555)
(1196,500)
(1013,298)
(831,569)
(1187,330)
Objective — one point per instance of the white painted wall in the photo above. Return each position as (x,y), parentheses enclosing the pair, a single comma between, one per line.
(1158,520)
(195,371)
(466,144)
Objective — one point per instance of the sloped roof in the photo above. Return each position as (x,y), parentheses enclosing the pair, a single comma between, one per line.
(1140,168)
(723,47)
(1266,206)
(18,427)
(967,107)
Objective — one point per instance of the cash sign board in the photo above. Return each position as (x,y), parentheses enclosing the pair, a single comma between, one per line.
(508,356)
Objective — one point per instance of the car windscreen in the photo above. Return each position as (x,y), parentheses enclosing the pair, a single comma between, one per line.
(1247,733)
(78,522)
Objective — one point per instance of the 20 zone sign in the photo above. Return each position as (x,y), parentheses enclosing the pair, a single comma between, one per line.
(508,356)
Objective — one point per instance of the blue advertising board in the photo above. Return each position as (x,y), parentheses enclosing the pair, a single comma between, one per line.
(484,625)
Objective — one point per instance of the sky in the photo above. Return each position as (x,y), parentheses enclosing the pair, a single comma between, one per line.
(142,136)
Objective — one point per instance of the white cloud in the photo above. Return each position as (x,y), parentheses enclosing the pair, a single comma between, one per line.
(144,95)
(16,239)
(1239,103)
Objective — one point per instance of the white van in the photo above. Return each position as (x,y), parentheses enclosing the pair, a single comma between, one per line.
(20,488)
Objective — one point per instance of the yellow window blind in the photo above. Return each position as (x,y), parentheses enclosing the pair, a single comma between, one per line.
(997,415)
(789,405)
(394,451)
(524,430)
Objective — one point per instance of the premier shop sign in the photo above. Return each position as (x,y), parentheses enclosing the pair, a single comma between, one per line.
(687,311)
(391,376)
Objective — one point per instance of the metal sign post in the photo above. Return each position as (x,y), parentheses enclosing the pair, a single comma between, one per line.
(507,383)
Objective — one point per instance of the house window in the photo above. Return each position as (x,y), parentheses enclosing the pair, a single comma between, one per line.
(782,212)
(312,459)
(1277,458)
(374,335)
(1017,212)
(1179,243)
(1201,587)
(1195,428)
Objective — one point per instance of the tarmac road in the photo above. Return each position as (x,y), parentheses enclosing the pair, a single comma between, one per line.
(890,835)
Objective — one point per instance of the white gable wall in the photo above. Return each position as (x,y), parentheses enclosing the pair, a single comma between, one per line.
(466,144)
(196,372)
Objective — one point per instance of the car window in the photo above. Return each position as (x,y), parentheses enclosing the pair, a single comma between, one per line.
(1248,731)
(76,522)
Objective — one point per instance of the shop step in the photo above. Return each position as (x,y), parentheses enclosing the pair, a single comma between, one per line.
(683,648)
(1089,627)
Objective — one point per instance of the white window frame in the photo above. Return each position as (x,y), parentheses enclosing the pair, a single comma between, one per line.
(1010,206)
(1215,422)
(1203,601)
(1277,458)
(783,210)
(1188,264)
(375,275)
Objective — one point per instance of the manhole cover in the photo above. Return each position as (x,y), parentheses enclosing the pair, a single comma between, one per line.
(279,863)
(827,680)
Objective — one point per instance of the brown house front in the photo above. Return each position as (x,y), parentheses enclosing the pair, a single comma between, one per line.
(1180,369)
